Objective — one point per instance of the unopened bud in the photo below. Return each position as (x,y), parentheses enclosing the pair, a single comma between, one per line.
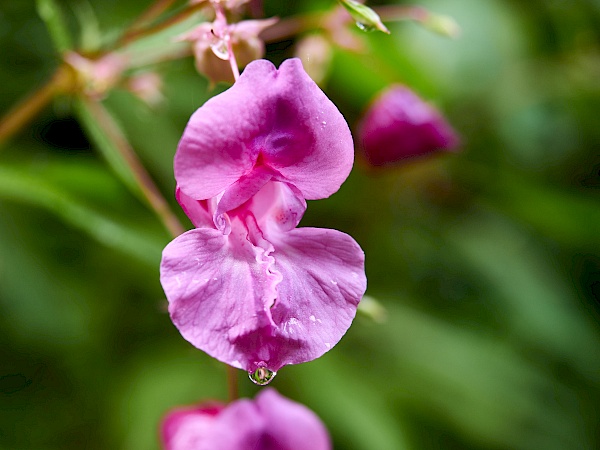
(366,19)
(444,25)
(315,52)
(147,87)
(400,125)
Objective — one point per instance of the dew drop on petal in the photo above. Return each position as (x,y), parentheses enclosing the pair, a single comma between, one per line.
(220,49)
(262,376)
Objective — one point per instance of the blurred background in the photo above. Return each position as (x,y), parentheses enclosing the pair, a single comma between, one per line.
(486,262)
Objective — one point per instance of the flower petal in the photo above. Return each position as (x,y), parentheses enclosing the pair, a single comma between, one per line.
(198,211)
(219,287)
(245,303)
(269,422)
(290,425)
(322,281)
(278,118)
(190,428)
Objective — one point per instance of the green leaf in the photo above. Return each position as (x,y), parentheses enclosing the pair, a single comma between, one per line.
(52,16)
(17,185)
(441,24)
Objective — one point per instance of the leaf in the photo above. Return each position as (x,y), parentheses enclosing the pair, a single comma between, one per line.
(52,16)
(19,186)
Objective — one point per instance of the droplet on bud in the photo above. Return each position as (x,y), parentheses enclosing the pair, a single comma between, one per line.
(262,376)
(365,26)
(220,49)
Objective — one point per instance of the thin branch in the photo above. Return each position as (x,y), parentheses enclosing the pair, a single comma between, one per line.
(141,176)
(136,33)
(25,111)
(232,382)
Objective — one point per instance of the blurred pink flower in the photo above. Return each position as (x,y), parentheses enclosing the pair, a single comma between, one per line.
(400,125)
(147,87)
(98,76)
(246,286)
(269,422)
(210,47)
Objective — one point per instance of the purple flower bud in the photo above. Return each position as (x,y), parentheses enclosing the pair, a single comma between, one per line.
(269,422)
(400,125)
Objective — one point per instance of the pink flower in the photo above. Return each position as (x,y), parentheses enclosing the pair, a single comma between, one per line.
(210,46)
(401,125)
(269,422)
(246,286)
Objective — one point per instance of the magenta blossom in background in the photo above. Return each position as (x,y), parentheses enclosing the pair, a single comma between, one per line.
(400,125)
(247,286)
(269,422)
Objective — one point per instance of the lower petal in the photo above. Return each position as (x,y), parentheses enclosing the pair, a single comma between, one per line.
(219,288)
(323,280)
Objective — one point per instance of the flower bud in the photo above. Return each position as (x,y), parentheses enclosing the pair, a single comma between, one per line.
(147,87)
(210,48)
(97,76)
(316,53)
(400,125)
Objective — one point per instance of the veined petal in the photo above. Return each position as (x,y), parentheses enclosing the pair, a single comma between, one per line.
(277,205)
(248,304)
(239,193)
(219,287)
(276,118)
(323,280)
(309,142)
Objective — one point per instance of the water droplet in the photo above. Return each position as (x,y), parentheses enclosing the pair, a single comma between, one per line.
(324,123)
(365,26)
(220,49)
(262,376)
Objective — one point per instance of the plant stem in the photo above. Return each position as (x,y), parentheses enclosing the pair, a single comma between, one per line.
(134,34)
(140,175)
(24,112)
(155,10)
(232,382)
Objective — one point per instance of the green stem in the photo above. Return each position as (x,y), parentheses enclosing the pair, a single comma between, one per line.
(119,153)
(232,382)
(137,33)
(24,112)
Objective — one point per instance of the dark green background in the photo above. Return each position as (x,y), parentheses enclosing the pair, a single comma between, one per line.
(487,261)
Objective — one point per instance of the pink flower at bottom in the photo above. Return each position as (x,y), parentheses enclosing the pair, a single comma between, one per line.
(269,422)
(400,125)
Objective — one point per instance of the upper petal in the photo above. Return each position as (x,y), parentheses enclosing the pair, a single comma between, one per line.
(279,114)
